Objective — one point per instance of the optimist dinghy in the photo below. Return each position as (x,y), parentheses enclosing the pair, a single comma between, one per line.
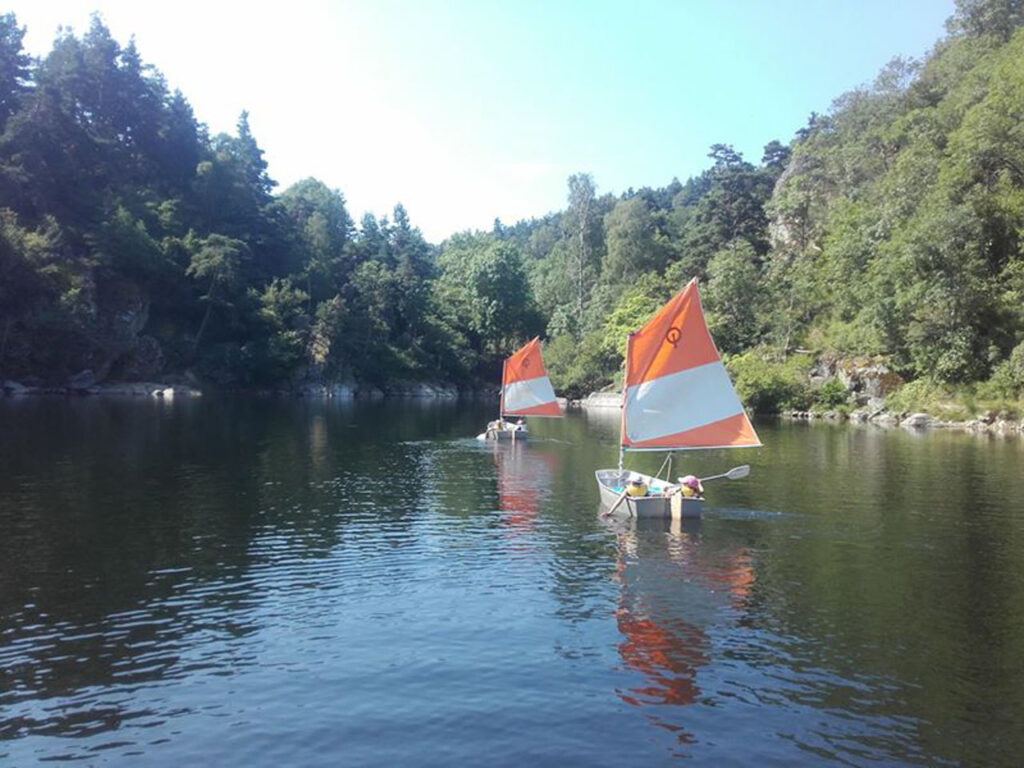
(676,396)
(525,391)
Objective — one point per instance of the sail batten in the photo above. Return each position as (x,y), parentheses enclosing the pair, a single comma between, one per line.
(525,388)
(677,394)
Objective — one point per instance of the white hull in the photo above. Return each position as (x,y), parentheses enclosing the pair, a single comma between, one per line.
(516,435)
(659,504)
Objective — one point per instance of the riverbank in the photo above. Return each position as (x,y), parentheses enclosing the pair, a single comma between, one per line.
(882,417)
(174,388)
(163,390)
(917,421)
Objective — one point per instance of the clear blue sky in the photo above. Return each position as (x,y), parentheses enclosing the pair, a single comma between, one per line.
(468,110)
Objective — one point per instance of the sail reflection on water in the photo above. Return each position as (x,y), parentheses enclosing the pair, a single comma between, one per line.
(525,477)
(674,590)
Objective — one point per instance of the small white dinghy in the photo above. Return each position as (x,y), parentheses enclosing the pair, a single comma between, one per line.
(676,396)
(663,499)
(525,391)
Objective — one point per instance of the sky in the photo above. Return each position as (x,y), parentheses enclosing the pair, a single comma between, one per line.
(469,110)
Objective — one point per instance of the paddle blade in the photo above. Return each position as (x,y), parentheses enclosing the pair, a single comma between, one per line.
(737,472)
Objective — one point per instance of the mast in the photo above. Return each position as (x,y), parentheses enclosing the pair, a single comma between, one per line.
(622,405)
(501,397)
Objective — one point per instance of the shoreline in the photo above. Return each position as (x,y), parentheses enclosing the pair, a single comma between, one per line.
(603,401)
(175,389)
(880,417)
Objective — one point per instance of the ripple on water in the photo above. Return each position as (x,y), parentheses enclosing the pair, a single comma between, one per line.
(295,587)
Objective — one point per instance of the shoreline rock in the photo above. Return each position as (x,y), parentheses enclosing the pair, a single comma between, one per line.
(918,421)
(175,387)
(600,400)
(82,387)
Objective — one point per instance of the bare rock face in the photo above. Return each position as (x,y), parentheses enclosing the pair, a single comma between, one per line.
(146,361)
(869,382)
(337,391)
(120,310)
(82,380)
(821,371)
(424,391)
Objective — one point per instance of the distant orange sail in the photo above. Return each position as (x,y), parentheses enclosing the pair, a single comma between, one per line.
(677,393)
(525,387)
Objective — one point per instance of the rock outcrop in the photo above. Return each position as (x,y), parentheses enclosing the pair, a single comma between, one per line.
(602,400)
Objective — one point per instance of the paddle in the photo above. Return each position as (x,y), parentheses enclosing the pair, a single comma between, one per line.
(733,474)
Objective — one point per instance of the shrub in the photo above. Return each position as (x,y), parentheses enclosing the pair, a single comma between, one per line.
(832,394)
(1007,380)
(920,395)
(766,386)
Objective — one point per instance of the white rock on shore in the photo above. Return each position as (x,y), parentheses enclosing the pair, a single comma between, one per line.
(916,421)
(602,400)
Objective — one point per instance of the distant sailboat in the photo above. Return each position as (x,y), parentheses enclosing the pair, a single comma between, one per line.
(676,396)
(525,391)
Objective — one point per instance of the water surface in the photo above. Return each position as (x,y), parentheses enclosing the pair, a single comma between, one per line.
(243,582)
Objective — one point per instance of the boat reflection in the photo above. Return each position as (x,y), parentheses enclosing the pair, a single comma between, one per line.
(525,478)
(676,587)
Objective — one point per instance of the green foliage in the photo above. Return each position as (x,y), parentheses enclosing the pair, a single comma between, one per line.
(1007,380)
(579,367)
(734,298)
(890,227)
(925,394)
(766,386)
(485,293)
(831,394)
(636,307)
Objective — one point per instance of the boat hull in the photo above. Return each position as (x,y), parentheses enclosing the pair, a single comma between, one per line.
(503,435)
(610,482)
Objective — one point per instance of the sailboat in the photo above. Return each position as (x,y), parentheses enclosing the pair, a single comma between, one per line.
(525,391)
(676,396)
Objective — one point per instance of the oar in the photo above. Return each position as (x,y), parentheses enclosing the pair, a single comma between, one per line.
(615,505)
(733,474)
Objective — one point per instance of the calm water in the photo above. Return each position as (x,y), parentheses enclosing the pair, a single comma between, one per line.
(240,583)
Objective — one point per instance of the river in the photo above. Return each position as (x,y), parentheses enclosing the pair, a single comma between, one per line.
(244,582)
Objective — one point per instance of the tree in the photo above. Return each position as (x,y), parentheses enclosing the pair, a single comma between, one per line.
(734,297)
(998,18)
(580,217)
(483,277)
(634,244)
(14,67)
(325,231)
(216,261)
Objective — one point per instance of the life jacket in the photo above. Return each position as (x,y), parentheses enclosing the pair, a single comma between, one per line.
(636,490)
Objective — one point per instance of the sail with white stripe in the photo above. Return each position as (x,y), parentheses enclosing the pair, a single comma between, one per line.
(525,387)
(677,394)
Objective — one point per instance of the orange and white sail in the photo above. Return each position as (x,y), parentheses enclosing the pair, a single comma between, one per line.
(525,387)
(677,393)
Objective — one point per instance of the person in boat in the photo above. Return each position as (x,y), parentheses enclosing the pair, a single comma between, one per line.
(691,487)
(636,488)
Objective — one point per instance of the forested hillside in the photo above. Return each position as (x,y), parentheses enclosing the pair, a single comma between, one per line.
(134,244)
